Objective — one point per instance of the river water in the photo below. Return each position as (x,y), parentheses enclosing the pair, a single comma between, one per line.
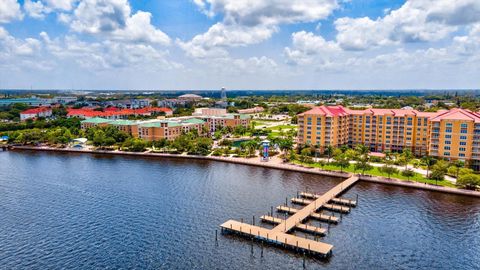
(80,211)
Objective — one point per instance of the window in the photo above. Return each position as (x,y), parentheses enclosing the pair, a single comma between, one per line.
(461,149)
(464,125)
(448,136)
(461,155)
(463,137)
(448,142)
(463,131)
(448,130)
(446,148)
(446,153)
(448,124)
(463,143)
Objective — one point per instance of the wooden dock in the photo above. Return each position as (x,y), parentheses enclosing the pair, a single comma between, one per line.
(278,238)
(317,216)
(336,208)
(305,196)
(279,234)
(301,227)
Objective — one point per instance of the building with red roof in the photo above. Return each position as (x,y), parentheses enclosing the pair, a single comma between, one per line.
(35,113)
(116,113)
(450,134)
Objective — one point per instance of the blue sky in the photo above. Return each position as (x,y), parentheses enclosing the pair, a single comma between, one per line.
(239,44)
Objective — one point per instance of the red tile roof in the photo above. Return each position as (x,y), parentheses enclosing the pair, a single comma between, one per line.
(328,111)
(341,111)
(36,110)
(108,112)
(457,114)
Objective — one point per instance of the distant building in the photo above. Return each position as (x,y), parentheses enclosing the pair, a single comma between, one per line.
(130,104)
(32,102)
(209,111)
(64,100)
(257,109)
(171,128)
(190,97)
(35,113)
(172,103)
(116,113)
(223,103)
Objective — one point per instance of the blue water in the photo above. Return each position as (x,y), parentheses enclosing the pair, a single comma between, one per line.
(74,211)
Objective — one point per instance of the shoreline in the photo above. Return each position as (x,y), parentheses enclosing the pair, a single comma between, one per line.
(257,163)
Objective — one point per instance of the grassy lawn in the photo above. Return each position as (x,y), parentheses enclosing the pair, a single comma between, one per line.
(376,172)
(283,127)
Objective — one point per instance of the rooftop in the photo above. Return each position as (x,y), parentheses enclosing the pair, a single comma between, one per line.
(96,120)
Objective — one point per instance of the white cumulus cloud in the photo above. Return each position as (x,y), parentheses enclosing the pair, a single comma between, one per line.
(9,11)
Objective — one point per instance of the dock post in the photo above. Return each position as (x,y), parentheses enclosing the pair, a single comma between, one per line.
(341,212)
(253,220)
(329,221)
(271,210)
(241,220)
(297,193)
(261,254)
(357,198)
(303,260)
(216,237)
(286,201)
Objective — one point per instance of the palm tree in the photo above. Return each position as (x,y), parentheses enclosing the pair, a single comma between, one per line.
(363,150)
(251,146)
(407,156)
(286,145)
(329,151)
(458,164)
(342,161)
(429,162)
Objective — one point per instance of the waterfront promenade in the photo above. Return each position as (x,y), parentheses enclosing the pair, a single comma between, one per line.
(273,163)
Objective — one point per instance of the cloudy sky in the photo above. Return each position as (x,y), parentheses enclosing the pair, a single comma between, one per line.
(239,44)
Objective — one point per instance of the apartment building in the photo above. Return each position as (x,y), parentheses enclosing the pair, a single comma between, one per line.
(153,130)
(452,134)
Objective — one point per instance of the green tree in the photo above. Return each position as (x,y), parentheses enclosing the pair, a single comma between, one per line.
(363,165)
(362,150)
(428,162)
(407,155)
(439,170)
(458,164)
(329,152)
(305,155)
(469,181)
(389,170)
(408,173)
(342,161)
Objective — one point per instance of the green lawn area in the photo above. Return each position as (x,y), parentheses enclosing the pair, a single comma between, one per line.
(376,172)
(283,127)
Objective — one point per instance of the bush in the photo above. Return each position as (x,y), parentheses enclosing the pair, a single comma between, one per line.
(217,152)
(469,181)
(408,173)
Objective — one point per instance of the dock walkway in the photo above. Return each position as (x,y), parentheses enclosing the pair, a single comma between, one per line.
(279,234)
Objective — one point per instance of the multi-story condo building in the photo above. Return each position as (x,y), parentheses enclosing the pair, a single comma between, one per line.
(452,134)
(170,128)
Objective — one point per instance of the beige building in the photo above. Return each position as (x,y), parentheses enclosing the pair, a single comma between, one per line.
(452,134)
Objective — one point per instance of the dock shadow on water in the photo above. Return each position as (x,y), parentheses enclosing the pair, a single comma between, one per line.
(80,211)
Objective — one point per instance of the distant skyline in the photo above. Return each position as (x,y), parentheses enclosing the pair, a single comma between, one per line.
(239,44)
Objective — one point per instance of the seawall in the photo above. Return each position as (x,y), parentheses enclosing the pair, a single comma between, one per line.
(256,162)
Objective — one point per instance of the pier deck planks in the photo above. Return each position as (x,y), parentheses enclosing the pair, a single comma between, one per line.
(281,238)
(310,209)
